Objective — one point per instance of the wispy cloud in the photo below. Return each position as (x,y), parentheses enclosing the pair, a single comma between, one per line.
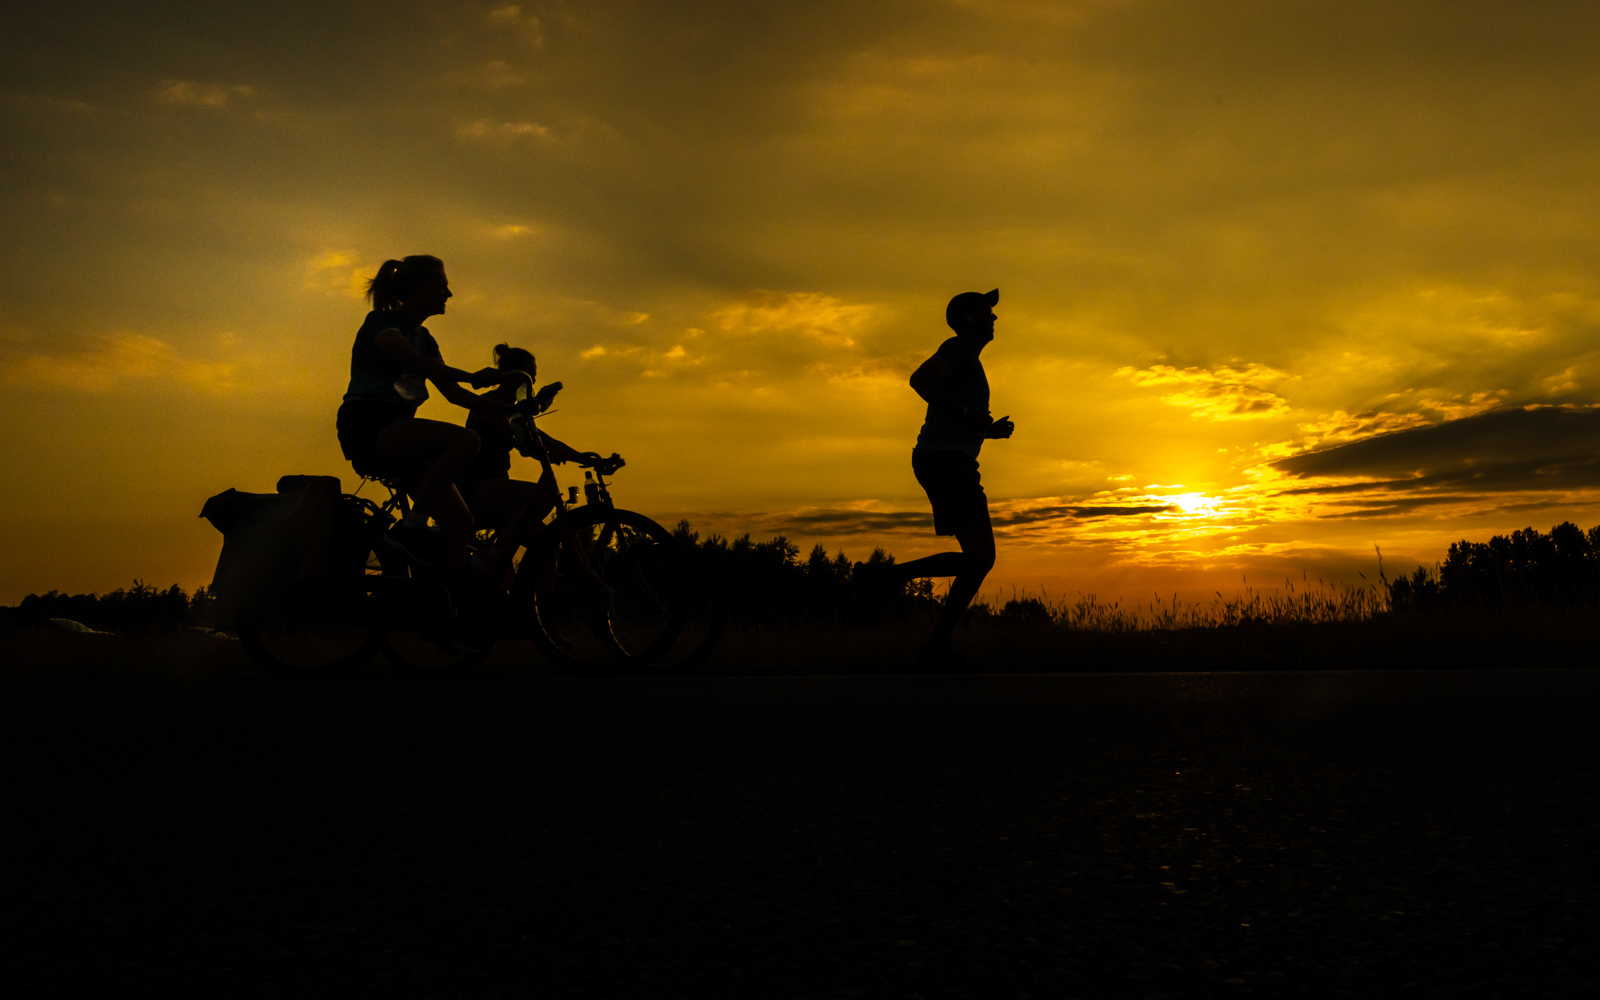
(338,272)
(107,362)
(1477,402)
(208,95)
(1340,427)
(485,128)
(511,17)
(1215,394)
(822,318)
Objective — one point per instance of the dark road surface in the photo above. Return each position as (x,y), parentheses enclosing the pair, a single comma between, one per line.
(1333,834)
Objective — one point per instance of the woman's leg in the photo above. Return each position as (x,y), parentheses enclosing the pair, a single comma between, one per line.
(455,521)
(516,509)
(435,453)
(498,501)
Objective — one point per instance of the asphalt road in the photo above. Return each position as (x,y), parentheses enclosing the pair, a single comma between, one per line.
(1290,834)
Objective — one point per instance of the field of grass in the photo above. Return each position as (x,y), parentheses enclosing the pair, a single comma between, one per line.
(1249,633)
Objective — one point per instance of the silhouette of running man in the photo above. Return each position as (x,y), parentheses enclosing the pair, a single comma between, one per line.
(945,462)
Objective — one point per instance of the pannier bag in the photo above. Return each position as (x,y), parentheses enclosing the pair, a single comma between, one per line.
(304,535)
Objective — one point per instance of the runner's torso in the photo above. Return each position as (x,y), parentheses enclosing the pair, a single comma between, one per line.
(943,430)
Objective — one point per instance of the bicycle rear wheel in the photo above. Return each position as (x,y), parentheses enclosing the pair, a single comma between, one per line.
(620,599)
(315,630)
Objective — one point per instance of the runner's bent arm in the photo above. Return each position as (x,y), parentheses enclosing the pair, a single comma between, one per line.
(932,382)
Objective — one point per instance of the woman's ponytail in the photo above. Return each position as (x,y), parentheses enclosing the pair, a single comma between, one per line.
(387,289)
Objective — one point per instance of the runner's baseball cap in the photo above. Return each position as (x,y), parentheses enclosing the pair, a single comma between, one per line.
(970,302)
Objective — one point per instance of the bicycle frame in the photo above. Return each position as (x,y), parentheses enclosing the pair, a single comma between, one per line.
(398,506)
(569,537)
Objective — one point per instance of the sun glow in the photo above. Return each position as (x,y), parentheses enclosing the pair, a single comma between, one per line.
(1196,504)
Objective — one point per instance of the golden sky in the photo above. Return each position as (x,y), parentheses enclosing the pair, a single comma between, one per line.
(1279,281)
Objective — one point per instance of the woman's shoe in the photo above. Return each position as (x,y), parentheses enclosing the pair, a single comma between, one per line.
(415,543)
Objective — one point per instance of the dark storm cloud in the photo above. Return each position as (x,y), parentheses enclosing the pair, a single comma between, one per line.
(1544,448)
(857,522)
(1399,505)
(1040,514)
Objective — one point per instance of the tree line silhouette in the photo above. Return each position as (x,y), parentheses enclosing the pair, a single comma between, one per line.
(140,608)
(1529,569)
(768,585)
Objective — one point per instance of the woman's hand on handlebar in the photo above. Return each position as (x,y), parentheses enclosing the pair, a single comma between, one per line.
(485,377)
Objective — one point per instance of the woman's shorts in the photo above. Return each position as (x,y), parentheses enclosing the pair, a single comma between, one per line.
(359,422)
(953,487)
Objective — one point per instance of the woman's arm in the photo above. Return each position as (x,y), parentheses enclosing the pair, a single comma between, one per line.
(445,378)
(393,343)
(465,398)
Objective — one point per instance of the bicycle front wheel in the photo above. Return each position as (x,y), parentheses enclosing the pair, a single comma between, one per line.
(619,596)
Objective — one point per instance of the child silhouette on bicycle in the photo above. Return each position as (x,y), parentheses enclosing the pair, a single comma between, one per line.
(514,509)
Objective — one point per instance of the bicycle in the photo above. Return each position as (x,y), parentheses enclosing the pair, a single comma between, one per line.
(608,591)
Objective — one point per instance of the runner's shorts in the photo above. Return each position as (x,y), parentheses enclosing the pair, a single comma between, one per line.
(359,422)
(953,487)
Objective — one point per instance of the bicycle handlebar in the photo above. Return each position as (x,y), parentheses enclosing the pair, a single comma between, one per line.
(606,466)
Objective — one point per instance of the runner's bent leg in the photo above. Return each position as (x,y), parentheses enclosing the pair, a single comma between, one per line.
(943,564)
(977,554)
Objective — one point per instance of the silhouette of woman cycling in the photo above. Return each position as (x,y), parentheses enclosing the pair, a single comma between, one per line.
(378,428)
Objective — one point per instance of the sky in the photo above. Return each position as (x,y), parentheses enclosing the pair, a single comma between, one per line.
(1280,282)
